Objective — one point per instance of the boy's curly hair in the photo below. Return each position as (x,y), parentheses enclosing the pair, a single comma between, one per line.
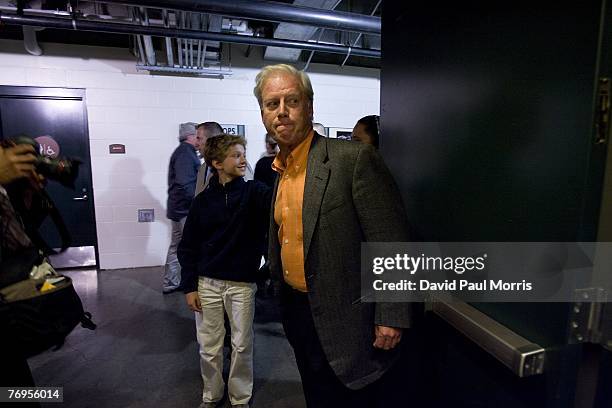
(217,147)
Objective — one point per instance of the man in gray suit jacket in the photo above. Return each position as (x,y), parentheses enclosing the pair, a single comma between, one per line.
(330,196)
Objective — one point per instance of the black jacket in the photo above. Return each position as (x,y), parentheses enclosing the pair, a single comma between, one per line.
(224,235)
(182,175)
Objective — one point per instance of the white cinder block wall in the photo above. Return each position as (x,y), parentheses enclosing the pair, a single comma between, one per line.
(143,112)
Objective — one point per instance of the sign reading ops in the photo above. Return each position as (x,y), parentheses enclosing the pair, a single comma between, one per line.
(233,129)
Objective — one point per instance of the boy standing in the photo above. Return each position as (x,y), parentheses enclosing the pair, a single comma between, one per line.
(220,253)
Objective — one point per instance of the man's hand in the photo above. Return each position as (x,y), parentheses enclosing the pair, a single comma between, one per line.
(387,337)
(16,162)
(193,301)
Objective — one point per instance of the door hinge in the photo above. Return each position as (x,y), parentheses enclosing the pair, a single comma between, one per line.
(602,120)
(591,317)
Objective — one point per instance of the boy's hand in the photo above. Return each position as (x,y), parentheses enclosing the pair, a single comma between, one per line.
(193,301)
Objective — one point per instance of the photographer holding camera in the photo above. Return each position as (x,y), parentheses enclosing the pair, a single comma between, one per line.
(16,163)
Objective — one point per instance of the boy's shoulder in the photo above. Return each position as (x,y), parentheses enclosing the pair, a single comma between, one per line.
(257,186)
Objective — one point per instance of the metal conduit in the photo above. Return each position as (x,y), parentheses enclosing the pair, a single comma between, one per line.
(269,11)
(99,26)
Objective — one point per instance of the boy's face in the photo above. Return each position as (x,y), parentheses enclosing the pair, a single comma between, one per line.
(234,164)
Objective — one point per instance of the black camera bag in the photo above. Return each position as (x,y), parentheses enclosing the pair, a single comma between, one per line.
(32,321)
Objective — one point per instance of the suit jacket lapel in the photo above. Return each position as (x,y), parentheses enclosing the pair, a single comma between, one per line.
(317,176)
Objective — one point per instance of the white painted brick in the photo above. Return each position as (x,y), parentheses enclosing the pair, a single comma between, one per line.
(98,148)
(132,245)
(148,196)
(46,77)
(104,214)
(90,79)
(328,105)
(200,101)
(343,93)
(189,84)
(154,116)
(188,115)
(116,261)
(103,195)
(142,81)
(240,102)
(12,53)
(340,121)
(12,75)
(115,97)
(160,83)
(130,229)
(107,114)
(174,99)
(125,213)
(106,245)
(231,86)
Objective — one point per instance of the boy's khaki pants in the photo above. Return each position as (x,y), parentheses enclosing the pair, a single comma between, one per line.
(238,300)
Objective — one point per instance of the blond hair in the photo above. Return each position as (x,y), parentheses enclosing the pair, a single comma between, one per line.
(217,147)
(269,70)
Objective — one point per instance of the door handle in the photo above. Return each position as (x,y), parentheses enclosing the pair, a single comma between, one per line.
(520,355)
(81,198)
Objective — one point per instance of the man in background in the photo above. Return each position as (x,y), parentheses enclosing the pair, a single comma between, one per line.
(263,168)
(204,131)
(182,174)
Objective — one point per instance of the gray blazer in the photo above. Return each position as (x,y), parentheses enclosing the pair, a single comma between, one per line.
(349,197)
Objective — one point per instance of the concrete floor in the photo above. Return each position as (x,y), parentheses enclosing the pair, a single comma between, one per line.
(144,352)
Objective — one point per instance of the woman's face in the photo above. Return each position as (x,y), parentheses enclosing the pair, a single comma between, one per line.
(360,135)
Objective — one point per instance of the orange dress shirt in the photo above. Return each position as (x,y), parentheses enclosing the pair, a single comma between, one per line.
(288,212)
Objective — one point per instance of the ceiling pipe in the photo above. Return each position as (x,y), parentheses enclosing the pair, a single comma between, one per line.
(29,40)
(269,11)
(99,26)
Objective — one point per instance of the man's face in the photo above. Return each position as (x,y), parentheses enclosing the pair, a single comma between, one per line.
(286,112)
(271,145)
(360,134)
(201,140)
(193,140)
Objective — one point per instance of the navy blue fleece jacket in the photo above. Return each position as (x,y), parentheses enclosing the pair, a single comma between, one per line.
(224,235)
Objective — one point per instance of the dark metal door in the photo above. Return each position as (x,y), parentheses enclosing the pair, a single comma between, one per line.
(487,124)
(58,115)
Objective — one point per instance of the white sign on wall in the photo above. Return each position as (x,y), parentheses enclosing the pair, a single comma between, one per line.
(233,129)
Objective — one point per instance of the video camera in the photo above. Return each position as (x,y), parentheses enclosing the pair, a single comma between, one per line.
(62,169)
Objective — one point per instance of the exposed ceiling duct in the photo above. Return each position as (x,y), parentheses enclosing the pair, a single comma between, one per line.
(192,31)
(102,26)
(29,40)
(269,11)
(296,31)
